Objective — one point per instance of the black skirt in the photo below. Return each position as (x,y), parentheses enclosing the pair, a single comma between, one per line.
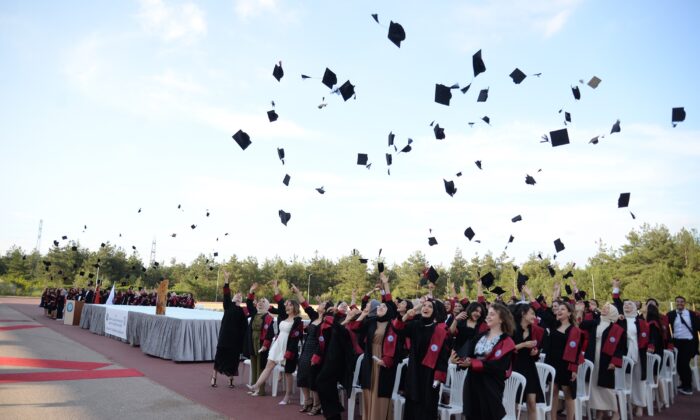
(226,361)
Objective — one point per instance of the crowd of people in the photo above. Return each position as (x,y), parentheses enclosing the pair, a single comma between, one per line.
(489,339)
(53,299)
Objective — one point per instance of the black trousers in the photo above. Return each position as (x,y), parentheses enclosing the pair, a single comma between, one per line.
(685,353)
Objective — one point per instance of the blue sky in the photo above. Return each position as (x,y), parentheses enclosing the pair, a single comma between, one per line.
(108,107)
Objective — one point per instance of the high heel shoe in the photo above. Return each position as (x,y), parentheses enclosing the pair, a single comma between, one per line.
(315,410)
(213,381)
(230,383)
(306,408)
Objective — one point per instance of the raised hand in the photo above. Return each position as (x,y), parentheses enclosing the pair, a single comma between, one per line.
(253,287)
(616,283)
(275,286)
(383,278)
(226,276)
(295,289)
(527,291)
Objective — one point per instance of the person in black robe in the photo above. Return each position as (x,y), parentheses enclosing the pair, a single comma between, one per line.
(528,339)
(489,360)
(230,344)
(428,358)
(468,324)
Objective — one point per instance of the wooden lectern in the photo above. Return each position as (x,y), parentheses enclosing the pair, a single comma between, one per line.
(162,297)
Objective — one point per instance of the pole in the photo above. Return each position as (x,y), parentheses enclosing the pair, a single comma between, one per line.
(593,282)
(308,289)
(216,292)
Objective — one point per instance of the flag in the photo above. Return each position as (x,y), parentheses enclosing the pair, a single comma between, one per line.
(110,299)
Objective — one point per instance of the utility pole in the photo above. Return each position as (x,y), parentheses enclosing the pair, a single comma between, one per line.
(308,289)
(37,247)
(153,252)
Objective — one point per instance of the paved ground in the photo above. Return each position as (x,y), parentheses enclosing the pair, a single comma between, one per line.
(167,389)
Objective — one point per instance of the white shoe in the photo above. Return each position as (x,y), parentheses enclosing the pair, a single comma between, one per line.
(283,402)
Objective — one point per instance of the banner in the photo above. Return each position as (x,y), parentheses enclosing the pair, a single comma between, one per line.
(115,321)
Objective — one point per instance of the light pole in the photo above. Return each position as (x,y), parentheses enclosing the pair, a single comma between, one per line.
(308,289)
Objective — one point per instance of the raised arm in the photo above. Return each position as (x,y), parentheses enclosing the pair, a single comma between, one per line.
(250,305)
(616,296)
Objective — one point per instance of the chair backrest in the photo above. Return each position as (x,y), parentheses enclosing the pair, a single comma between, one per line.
(397,378)
(458,377)
(694,362)
(356,374)
(515,382)
(667,364)
(542,357)
(583,379)
(546,375)
(623,375)
(675,358)
(653,367)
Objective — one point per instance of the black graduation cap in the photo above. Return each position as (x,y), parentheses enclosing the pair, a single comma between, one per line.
(156,263)
(208,213)
(568,289)
(139,210)
(486,119)
(594,140)
(478,64)
(216,254)
(193,226)
(483,95)
(74,248)
(459,174)
(286,179)
(559,137)
(272,116)
(478,164)
(389,159)
(396,33)
(552,273)
(143,269)
(406,148)
(511,239)
(469,233)
(633,216)
(243,140)
(432,275)
(677,115)
(594,82)
(487,280)
(518,76)
(90,275)
(522,280)
(616,127)
(90,283)
(173,235)
(329,78)
(278,72)
(516,218)
(56,243)
(568,274)
(321,190)
(530,180)
(432,241)
(362,158)
(347,90)
(567,117)
(558,245)
(380,267)
(443,94)
(450,187)
(284,217)
(439,132)
(47,263)
(280,154)
(466,88)
(391,139)
(64,237)
(623,200)
(576,92)
(498,291)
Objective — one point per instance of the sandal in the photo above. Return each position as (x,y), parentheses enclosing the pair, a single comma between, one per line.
(315,411)
(213,381)
(306,408)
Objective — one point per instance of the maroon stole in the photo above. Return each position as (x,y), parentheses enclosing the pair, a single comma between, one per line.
(611,343)
(537,333)
(482,328)
(327,323)
(437,340)
(571,351)
(642,333)
(389,346)
(505,347)
(267,324)
(355,343)
(294,334)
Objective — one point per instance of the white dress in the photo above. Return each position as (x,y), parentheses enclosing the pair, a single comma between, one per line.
(279,346)
(601,398)
(638,386)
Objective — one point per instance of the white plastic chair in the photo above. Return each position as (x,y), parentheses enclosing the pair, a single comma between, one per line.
(277,373)
(455,406)
(696,372)
(667,377)
(445,388)
(246,363)
(546,375)
(623,387)
(583,390)
(356,392)
(652,383)
(676,376)
(510,395)
(397,400)
(542,357)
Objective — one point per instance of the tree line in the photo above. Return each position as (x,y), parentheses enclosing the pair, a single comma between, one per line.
(654,262)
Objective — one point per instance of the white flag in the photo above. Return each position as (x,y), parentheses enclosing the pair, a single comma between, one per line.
(111,296)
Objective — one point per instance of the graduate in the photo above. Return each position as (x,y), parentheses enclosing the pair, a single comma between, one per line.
(233,328)
(528,339)
(259,335)
(468,324)
(489,360)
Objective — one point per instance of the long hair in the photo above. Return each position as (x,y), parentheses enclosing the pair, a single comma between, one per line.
(572,316)
(472,307)
(507,322)
(519,311)
(653,313)
(296,306)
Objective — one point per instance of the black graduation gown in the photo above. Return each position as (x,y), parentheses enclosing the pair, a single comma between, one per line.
(386,374)
(656,340)
(337,364)
(230,344)
(482,395)
(606,377)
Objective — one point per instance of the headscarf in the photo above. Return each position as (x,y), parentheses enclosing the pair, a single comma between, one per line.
(631,313)
(373,304)
(612,316)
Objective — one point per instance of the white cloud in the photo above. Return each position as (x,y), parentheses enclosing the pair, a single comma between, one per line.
(185,22)
(249,8)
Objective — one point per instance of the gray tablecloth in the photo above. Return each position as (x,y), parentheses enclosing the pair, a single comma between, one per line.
(180,340)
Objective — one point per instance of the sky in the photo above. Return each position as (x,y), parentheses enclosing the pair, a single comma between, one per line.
(109,107)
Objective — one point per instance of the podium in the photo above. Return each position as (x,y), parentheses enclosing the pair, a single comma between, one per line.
(73,310)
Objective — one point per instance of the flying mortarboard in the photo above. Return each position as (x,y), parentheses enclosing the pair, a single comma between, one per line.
(443,94)
(516,218)
(284,217)
(388,159)
(478,164)
(466,88)
(623,200)
(64,237)
(277,72)
(439,132)
(469,233)
(380,267)
(243,140)
(522,280)
(286,179)
(478,64)
(280,154)
(552,273)
(321,190)
(347,90)
(568,289)
(567,117)
(483,95)
(487,280)
(431,275)
(530,180)
(396,33)
(74,248)
(616,127)
(486,119)
(363,260)
(362,159)
(594,82)
(559,137)
(432,241)
(558,245)
(518,76)
(391,139)
(450,187)
(272,116)
(677,115)
(576,92)
(568,274)
(498,291)
(329,78)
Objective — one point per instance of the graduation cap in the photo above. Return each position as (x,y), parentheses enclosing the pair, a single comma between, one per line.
(568,289)
(347,90)
(439,132)
(280,154)
(483,95)
(450,187)
(478,164)
(284,217)
(64,237)
(478,64)
(329,78)
(576,92)
(272,116)
(380,267)
(173,235)
(74,248)
(396,33)
(516,218)
(406,148)
(139,210)
(559,137)
(431,275)
(498,291)
(530,180)
(391,138)
(522,280)
(568,274)
(487,280)
(90,275)
(558,245)
(208,213)
(518,76)
(552,273)
(277,72)
(443,94)
(677,115)
(216,254)
(286,179)
(511,239)
(432,241)
(321,190)
(156,263)
(193,226)
(567,117)
(486,119)
(47,263)
(594,82)
(389,159)
(55,242)
(616,127)
(594,140)
(143,269)
(633,216)
(459,174)
(243,140)
(90,283)
(623,200)
(466,88)
(469,233)
(362,158)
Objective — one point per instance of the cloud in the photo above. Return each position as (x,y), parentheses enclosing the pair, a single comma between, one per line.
(185,22)
(249,8)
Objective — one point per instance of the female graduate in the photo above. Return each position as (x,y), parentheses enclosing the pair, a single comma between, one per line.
(564,352)
(285,347)
(468,324)
(382,348)
(428,358)
(230,344)
(607,345)
(259,335)
(489,360)
(528,339)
